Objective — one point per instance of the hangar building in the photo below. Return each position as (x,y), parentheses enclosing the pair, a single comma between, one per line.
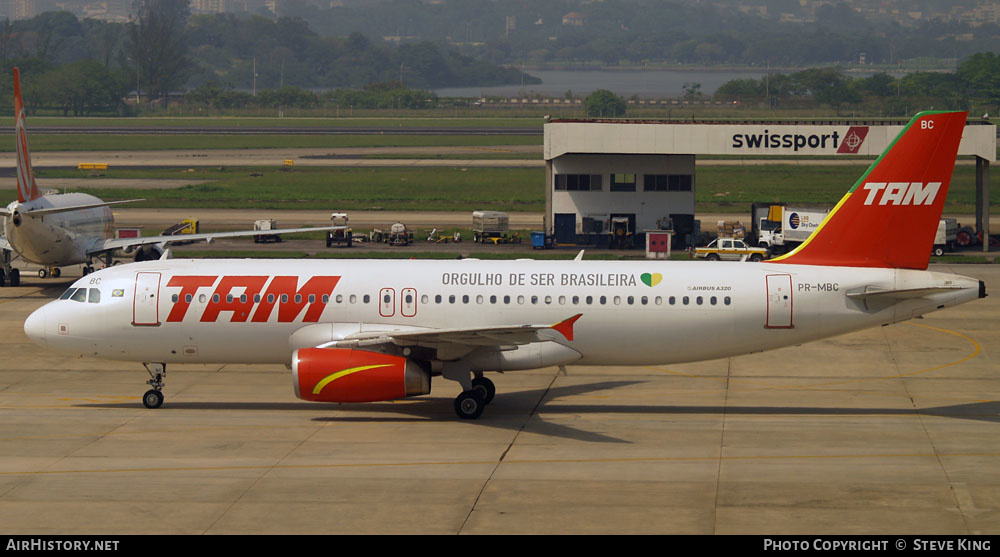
(606,174)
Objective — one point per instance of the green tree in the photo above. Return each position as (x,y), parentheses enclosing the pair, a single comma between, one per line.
(604,104)
(82,88)
(980,75)
(157,40)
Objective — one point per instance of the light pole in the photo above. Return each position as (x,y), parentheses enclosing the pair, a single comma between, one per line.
(136,81)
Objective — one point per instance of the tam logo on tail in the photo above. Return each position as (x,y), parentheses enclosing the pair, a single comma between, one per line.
(890,216)
(902,193)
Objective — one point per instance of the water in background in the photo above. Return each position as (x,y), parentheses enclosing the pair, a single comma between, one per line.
(625,83)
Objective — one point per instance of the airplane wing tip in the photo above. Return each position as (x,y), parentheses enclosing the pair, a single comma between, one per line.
(565,327)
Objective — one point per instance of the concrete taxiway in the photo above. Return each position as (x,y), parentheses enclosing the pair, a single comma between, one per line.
(893,430)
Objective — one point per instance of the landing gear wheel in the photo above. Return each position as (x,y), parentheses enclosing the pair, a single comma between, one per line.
(56,272)
(15,277)
(42,273)
(469,405)
(152,399)
(487,390)
(3,279)
(87,269)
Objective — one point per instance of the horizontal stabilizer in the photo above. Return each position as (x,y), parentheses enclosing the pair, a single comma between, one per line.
(903,294)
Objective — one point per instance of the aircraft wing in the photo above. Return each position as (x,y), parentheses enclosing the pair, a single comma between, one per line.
(129,243)
(468,337)
(50,210)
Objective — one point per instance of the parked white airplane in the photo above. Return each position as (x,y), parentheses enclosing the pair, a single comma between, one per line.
(56,230)
(355,331)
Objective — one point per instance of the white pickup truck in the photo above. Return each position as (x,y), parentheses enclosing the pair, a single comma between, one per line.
(729,249)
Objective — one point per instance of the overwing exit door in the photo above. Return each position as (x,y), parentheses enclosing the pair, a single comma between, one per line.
(779,302)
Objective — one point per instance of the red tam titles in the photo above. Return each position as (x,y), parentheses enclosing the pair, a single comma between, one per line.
(249,302)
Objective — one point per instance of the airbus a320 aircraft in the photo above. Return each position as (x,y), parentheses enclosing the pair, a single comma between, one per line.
(57,230)
(361,331)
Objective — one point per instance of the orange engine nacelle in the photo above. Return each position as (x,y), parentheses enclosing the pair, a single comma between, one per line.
(345,375)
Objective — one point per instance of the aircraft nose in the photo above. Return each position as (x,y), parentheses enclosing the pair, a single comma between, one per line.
(34,326)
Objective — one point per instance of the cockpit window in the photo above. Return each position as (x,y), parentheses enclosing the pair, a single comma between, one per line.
(69,292)
(95,296)
(80,295)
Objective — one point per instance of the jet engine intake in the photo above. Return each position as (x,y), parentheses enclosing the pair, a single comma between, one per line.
(148,253)
(346,375)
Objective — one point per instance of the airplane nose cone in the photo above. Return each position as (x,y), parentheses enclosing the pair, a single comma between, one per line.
(34,326)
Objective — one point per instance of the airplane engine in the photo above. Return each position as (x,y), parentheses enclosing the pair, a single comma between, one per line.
(345,375)
(148,253)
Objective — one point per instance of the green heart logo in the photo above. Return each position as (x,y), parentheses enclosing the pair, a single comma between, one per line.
(651,279)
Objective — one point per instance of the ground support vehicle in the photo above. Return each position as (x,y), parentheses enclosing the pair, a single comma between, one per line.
(781,228)
(490,226)
(946,237)
(622,234)
(341,236)
(729,249)
(264,226)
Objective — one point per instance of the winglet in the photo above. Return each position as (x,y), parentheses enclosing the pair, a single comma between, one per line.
(565,328)
(26,188)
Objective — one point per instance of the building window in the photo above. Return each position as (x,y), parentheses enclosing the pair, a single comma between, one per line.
(667,182)
(578,182)
(623,182)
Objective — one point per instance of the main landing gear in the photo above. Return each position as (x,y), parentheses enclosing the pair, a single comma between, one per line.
(470,404)
(478,393)
(154,397)
(9,276)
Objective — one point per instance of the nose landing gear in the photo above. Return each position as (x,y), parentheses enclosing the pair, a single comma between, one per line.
(154,397)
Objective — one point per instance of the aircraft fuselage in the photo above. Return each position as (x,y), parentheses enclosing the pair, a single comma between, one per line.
(58,238)
(632,313)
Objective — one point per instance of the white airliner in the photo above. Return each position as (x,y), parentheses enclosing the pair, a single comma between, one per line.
(362,331)
(57,230)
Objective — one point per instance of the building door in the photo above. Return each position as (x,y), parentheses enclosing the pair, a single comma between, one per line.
(565,228)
